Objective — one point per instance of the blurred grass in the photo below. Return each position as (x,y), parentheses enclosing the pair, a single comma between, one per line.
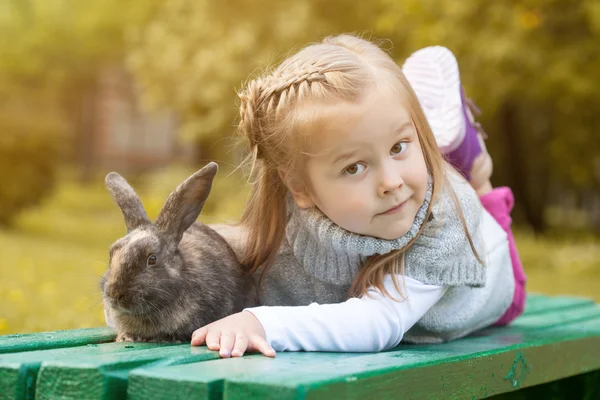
(561,263)
(56,253)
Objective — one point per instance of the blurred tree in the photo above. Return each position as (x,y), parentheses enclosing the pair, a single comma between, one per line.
(196,53)
(47,69)
(29,150)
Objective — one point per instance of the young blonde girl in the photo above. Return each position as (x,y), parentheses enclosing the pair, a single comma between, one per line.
(360,232)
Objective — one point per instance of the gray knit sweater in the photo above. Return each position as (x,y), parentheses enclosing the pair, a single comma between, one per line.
(319,261)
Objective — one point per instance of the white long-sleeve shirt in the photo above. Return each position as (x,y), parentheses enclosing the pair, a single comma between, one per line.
(366,324)
(470,296)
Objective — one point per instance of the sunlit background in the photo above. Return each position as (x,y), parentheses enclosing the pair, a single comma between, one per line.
(148,88)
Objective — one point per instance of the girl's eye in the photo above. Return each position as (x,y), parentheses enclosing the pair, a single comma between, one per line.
(354,169)
(152,259)
(399,148)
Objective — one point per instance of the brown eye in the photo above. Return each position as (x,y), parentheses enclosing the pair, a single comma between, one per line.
(354,169)
(398,148)
(152,260)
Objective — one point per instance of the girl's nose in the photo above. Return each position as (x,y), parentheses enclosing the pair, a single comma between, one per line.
(391,180)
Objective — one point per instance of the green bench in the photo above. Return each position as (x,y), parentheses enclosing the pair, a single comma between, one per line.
(555,345)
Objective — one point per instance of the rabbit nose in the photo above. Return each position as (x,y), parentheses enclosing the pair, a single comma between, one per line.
(120,298)
(114,298)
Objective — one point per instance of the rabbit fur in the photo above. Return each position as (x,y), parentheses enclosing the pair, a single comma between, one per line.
(167,279)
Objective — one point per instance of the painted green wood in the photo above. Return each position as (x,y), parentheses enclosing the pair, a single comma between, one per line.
(556,324)
(55,339)
(541,321)
(582,386)
(206,380)
(18,371)
(465,369)
(538,304)
(105,376)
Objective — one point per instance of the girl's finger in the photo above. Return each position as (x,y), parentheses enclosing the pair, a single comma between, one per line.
(199,336)
(227,339)
(260,344)
(213,339)
(241,344)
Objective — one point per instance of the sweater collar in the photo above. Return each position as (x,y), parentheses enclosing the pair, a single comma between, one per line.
(441,255)
(333,254)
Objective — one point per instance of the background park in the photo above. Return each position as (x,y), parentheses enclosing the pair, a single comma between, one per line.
(148,88)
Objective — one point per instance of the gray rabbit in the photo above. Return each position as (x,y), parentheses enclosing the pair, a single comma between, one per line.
(167,279)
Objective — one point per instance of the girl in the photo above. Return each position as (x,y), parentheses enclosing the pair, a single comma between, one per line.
(361,233)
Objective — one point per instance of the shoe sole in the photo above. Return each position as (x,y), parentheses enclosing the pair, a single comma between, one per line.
(434,76)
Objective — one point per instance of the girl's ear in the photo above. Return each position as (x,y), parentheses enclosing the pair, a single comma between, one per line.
(297,189)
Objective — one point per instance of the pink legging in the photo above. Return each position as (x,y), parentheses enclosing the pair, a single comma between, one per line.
(499,202)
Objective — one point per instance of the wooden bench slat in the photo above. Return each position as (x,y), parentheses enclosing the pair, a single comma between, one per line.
(207,379)
(464,369)
(66,368)
(541,304)
(105,375)
(18,371)
(180,382)
(55,339)
(541,321)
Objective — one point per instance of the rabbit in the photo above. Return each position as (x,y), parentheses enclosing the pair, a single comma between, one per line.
(167,279)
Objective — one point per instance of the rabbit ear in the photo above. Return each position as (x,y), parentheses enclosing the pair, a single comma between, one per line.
(127,200)
(185,203)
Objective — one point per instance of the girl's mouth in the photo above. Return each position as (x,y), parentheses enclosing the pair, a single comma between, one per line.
(395,209)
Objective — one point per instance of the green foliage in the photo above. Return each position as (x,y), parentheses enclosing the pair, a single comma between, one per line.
(532,66)
(195,53)
(29,153)
(52,57)
(64,40)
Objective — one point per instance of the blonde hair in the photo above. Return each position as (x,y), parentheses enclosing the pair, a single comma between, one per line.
(276,124)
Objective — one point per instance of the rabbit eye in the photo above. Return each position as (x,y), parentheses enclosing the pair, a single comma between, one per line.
(152,260)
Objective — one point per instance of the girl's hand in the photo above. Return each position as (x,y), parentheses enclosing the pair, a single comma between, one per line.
(233,335)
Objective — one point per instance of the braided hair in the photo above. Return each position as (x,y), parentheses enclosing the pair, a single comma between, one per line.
(284,108)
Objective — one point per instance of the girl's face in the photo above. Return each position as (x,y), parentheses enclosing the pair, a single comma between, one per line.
(366,171)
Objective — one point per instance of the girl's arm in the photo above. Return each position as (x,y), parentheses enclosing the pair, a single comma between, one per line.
(365,324)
